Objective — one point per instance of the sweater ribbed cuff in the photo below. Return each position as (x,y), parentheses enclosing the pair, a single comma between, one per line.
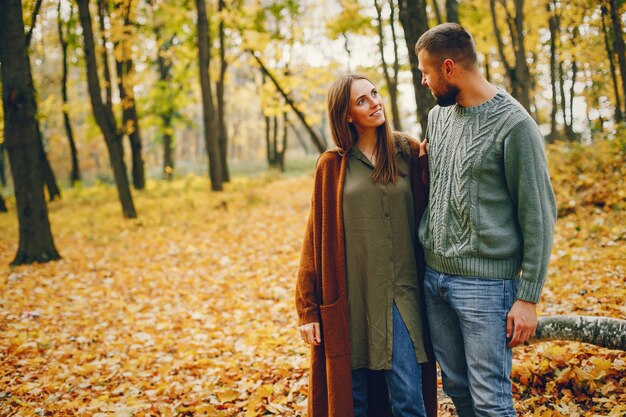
(529,290)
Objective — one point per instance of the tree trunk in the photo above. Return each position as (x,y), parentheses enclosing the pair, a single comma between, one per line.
(438,17)
(36,243)
(268,141)
(396,62)
(609,51)
(108,85)
(126,85)
(3,175)
(605,332)
(211,138)
(567,128)
(391,86)
(48,177)
(518,74)
(452,11)
(104,115)
(274,157)
(75,174)
(283,151)
(219,90)
(314,136)
(415,22)
(3,206)
(553,25)
(619,42)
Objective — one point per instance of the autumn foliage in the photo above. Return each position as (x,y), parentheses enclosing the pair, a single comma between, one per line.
(188,310)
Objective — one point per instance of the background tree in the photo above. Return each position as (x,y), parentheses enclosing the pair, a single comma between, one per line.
(103,113)
(414,21)
(64,29)
(208,109)
(20,137)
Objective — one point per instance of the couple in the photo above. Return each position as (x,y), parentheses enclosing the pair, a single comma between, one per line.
(382,289)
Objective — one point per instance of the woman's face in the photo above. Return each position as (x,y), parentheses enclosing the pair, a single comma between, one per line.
(366,106)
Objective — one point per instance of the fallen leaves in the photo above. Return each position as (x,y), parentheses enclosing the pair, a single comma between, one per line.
(188,310)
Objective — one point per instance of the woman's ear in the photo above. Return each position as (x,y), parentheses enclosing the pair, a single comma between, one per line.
(349,119)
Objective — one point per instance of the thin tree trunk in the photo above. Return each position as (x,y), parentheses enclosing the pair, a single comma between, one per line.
(396,61)
(391,86)
(452,11)
(609,52)
(314,136)
(75,174)
(605,332)
(553,25)
(274,142)
(414,20)
(48,177)
(519,74)
(566,127)
(437,12)
(3,175)
(103,113)
(108,84)
(165,68)
(618,42)
(219,90)
(126,84)
(283,151)
(268,140)
(3,206)
(211,138)
(36,243)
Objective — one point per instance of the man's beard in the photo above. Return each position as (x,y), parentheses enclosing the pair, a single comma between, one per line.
(448,96)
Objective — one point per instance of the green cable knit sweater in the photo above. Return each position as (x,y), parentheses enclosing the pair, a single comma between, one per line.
(491,210)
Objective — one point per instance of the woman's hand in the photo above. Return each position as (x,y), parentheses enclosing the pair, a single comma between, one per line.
(423,147)
(310,333)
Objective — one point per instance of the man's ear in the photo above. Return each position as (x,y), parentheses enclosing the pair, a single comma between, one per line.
(448,67)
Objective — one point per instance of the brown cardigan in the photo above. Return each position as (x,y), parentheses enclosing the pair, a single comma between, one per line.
(321,293)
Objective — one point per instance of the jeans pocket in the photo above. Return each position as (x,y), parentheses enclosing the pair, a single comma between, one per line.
(335,329)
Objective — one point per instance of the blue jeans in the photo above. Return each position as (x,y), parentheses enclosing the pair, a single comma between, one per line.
(404,380)
(467,320)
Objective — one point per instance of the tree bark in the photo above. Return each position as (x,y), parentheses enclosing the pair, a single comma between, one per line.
(75,174)
(605,332)
(452,11)
(126,84)
(108,84)
(391,83)
(3,175)
(48,178)
(165,68)
(619,43)
(283,151)
(414,21)
(518,74)
(103,113)
(438,17)
(219,90)
(3,206)
(609,51)
(314,136)
(36,243)
(553,26)
(211,138)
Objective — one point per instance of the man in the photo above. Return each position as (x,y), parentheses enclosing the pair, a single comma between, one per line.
(487,233)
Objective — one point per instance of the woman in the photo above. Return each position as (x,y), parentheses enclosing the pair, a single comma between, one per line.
(358,298)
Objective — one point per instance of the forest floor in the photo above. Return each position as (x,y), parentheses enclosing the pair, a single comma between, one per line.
(188,310)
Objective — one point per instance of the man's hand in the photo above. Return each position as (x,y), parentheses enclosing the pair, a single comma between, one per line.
(310,333)
(521,322)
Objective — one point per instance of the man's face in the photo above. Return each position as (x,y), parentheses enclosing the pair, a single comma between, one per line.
(443,91)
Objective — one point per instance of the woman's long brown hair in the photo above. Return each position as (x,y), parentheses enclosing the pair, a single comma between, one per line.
(345,134)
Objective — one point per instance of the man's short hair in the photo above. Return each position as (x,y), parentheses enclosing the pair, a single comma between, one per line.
(449,40)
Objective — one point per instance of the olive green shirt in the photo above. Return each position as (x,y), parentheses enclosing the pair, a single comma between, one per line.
(381,269)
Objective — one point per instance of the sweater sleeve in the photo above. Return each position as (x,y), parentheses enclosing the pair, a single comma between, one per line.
(307,308)
(528,181)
